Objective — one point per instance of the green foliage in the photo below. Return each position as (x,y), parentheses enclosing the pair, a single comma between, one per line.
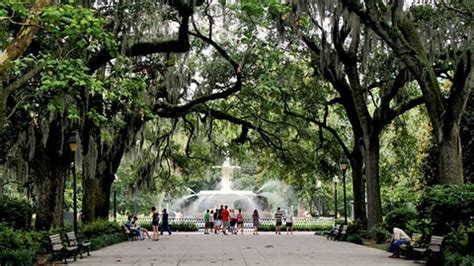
(403,217)
(107,240)
(456,259)
(184,226)
(99,228)
(445,207)
(460,240)
(381,234)
(16,213)
(16,257)
(296,227)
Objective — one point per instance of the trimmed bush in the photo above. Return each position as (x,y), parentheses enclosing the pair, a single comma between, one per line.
(16,257)
(16,213)
(445,207)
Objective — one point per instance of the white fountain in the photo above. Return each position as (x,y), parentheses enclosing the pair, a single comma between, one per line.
(234,199)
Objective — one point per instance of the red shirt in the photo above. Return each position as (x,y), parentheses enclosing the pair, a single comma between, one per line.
(225,215)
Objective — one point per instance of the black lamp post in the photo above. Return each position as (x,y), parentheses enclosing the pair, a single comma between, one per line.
(344,164)
(318,188)
(336,180)
(73,146)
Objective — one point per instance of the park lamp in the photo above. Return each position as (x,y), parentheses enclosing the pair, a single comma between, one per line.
(72,143)
(344,163)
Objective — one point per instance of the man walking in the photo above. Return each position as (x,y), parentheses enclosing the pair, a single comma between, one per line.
(164,223)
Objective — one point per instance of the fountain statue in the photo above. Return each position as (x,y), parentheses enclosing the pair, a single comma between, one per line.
(234,199)
(272,194)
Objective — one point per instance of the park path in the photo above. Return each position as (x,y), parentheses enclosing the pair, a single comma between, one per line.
(264,249)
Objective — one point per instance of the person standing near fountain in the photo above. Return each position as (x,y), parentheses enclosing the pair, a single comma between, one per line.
(225,220)
(206,222)
(233,221)
(240,222)
(289,223)
(278,221)
(256,221)
(216,221)
(155,221)
(164,222)
(211,221)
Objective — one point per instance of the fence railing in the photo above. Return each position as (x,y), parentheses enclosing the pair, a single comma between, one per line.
(298,222)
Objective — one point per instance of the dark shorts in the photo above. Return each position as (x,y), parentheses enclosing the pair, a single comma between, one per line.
(278,223)
(232,223)
(211,224)
(289,224)
(155,223)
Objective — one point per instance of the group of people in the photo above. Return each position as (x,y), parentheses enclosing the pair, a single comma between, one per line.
(155,223)
(134,227)
(232,221)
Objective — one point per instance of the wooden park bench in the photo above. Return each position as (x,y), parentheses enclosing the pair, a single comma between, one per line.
(406,250)
(73,241)
(130,233)
(342,234)
(60,250)
(333,233)
(433,249)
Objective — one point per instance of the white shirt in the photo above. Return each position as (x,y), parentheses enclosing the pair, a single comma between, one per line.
(289,219)
(399,234)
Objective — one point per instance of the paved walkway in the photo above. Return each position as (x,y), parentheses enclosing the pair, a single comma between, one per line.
(264,249)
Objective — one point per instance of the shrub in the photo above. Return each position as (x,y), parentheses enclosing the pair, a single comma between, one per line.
(107,240)
(403,216)
(445,207)
(355,238)
(381,234)
(455,259)
(99,228)
(183,226)
(16,257)
(16,213)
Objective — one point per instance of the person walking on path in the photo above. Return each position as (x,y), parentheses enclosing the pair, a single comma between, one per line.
(164,223)
(216,221)
(278,221)
(240,222)
(225,220)
(289,223)
(211,221)
(155,221)
(256,221)
(399,237)
(233,221)
(206,222)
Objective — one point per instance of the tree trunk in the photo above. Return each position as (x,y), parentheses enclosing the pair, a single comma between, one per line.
(450,161)
(358,185)
(50,178)
(374,205)
(97,202)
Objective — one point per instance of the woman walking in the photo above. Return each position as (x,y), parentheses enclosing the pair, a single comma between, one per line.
(256,221)
(155,221)
(240,222)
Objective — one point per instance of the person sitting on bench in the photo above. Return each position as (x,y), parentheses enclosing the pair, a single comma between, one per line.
(399,237)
